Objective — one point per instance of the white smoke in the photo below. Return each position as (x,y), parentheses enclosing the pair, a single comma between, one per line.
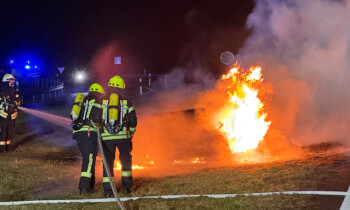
(304,49)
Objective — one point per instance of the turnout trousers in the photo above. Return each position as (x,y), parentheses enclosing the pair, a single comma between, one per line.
(125,148)
(7,128)
(88,149)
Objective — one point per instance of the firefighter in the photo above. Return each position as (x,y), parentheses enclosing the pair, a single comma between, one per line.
(87,117)
(9,100)
(119,120)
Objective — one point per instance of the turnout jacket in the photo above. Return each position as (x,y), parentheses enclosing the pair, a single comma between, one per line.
(9,100)
(129,119)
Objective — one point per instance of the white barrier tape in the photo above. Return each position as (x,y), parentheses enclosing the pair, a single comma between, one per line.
(346,203)
(106,200)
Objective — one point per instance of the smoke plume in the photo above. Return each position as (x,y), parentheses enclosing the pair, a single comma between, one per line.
(303,48)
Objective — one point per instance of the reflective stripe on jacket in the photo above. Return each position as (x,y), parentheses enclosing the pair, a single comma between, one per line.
(85,128)
(123,134)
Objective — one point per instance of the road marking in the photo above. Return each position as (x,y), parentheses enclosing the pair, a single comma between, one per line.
(106,200)
(346,203)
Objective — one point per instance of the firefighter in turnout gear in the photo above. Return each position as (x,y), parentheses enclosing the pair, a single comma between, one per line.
(9,101)
(87,117)
(119,120)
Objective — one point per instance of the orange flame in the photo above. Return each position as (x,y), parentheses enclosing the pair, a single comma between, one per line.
(196,160)
(243,121)
(147,163)
(118,166)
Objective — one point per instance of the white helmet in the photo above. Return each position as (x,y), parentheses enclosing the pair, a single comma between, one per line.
(8,78)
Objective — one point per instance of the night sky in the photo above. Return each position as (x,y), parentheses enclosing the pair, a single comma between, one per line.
(158,34)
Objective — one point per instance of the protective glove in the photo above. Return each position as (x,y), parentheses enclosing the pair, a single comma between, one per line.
(132,131)
(14,115)
(3,114)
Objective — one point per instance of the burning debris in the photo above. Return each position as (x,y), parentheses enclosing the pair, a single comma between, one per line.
(232,120)
(243,119)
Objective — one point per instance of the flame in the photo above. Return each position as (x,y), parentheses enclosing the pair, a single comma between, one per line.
(147,163)
(118,166)
(196,160)
(243,121)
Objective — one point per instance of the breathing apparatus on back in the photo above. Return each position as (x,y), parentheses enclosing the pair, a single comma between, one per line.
(77,106)
(114,116)
(80,113)
(76,113)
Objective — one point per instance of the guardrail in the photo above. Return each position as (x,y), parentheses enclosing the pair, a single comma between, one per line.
(39,89)
(34,90)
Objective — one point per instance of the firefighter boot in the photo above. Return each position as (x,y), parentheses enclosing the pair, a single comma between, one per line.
(86,191)
(126,190)
(92,180)
(108,193)
(85,186)
(8,148)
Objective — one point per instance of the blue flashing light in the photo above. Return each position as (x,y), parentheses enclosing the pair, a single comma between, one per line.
(35,67)
(27,67)
(12,61)
(28,62)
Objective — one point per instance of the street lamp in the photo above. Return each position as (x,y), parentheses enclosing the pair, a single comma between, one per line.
(80,76)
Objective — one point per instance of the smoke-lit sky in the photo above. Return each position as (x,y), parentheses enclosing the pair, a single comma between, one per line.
(158,35)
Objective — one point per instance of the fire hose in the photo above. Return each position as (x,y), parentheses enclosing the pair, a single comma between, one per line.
(99,138)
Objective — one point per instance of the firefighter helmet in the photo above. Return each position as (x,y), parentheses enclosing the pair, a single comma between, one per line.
(8,78)
(116,81)
(97,88)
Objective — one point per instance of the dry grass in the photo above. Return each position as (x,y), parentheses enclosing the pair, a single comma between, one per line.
(37,171)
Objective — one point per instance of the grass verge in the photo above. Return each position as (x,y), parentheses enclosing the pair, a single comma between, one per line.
(36,171)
